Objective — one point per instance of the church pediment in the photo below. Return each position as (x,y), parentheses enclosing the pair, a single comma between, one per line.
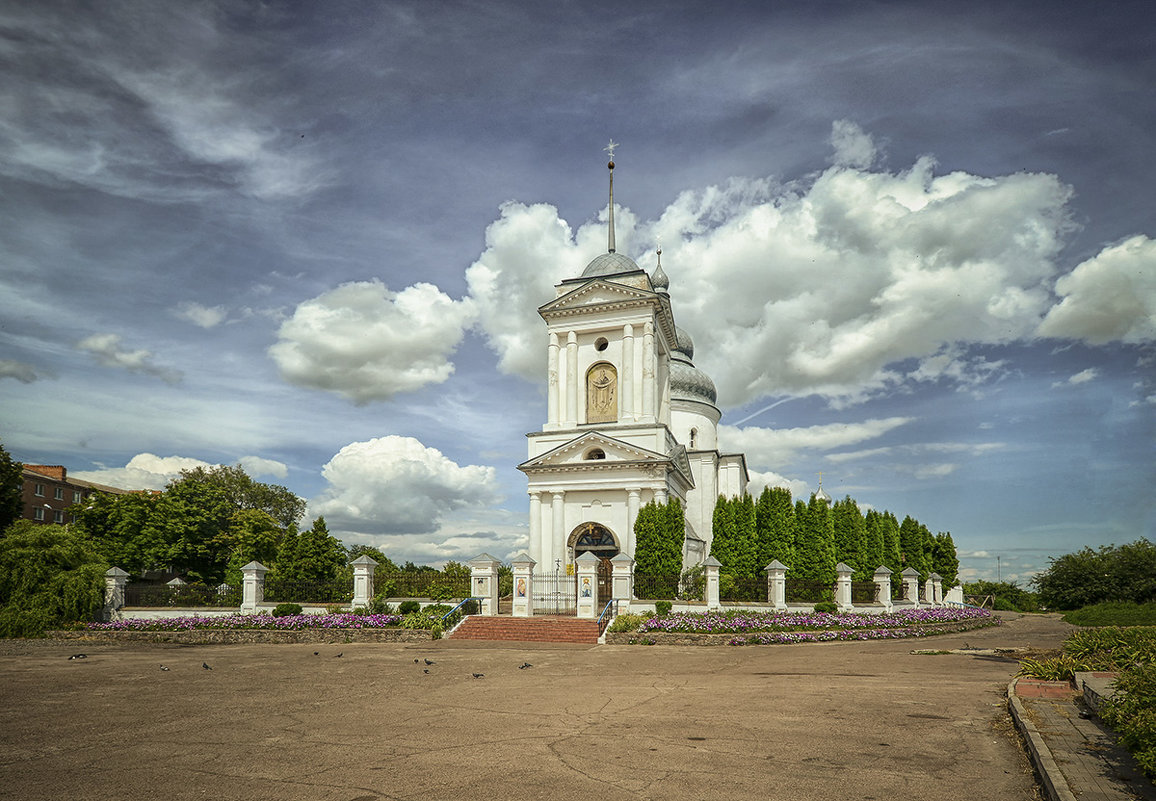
(595,450)
(598,292)
(682,463)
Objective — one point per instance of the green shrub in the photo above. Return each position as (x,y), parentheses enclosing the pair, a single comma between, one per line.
(662,608)
(1131,711)
(1056,668)
(287,610)
(1114,613)
(826,606)
(379,606)
(49,576)
(1001,604)
(626,622)
(409,607)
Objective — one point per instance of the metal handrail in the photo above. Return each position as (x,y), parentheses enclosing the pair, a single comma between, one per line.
(602,625)
(459,606)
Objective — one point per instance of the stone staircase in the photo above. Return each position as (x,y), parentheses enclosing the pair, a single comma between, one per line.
(527,629)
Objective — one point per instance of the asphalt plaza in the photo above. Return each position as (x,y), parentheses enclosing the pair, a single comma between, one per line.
(855,720)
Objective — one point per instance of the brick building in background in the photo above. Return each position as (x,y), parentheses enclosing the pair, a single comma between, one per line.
(48,492)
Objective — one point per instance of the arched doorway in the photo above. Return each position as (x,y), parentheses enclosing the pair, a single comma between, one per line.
(597,539)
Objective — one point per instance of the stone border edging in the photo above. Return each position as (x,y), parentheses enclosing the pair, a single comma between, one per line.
(698,638)
(1045,764)
(250,636)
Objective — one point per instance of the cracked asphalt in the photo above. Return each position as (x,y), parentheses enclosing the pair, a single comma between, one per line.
(821,721)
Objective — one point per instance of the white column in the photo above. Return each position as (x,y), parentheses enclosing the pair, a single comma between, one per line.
(648,410)
(363,567)
(777,585)
(633,501)
(536,525)
(883,587)
(626,390)
(843,571)
(555,542)
(623,581)
(552,415)
(660,496)
(571,379)
(711,566)
(523,603)
(252,586)
(937,589)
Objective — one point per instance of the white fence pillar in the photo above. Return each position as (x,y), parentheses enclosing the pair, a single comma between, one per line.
(114,581)
(777,585)
(252,586)
(623,581)
(883,586)
(484,582)
(363,567)
(937,589)
(911,585)
(523,603)
(588,586)
(843,586)
(711,566)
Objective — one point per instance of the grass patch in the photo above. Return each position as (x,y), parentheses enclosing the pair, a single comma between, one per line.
(1114,613)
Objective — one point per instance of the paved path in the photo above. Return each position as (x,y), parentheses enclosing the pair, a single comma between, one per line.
(824,721)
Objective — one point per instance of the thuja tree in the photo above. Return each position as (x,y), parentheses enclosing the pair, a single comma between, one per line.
(892,557)
(911,545)
(814,542)
(723,534)
(775,519)
(946,560)
(659,534)
(737,550)
(850,531)
(49,576)
(873,532)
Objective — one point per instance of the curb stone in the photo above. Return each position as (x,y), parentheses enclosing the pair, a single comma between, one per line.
(1045,763)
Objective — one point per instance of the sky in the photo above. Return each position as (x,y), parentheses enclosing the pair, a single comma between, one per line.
(913,243)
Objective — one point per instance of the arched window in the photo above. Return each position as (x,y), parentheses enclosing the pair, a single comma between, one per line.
(693,438)
(596,453)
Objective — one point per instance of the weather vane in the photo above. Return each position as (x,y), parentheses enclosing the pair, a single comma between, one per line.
(610,148)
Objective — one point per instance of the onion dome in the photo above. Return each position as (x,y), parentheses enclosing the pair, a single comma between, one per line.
(687,382)
(658,277)
(820,495)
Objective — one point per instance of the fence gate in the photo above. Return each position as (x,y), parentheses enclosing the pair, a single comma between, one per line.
(555,594)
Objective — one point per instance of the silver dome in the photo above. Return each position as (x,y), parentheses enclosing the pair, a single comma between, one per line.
(609,264)
(687,382)
(684,343)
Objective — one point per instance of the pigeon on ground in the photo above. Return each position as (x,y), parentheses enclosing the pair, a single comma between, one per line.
(315,653)
(429,661)
(339,655)
(524,665)
(479,675)
(78,656)
(205,665)
(163,667)
(416,661)
(425,670)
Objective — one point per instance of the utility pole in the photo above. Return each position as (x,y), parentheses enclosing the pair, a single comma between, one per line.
(998,571)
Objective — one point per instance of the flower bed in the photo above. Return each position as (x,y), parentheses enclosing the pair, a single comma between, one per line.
(269,622)
(777,628)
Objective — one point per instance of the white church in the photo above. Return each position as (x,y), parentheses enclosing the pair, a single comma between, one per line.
(629,418)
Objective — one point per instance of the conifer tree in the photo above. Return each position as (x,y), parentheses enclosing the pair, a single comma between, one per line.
(775,518)
(722,544)
(911,544)
(928,551)
(746,555)
(815,547)
(850,537)
(892,557)
(873,552)
(946,559)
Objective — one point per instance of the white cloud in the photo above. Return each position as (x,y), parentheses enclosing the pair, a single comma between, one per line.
(21,371)
(853,147)
(257,466)
(143,471)
(203,316)
(1082,377)
(772,447)
(397,485)
(106,349)
(812,287)
(1111,296)
(365,342)
(759,480)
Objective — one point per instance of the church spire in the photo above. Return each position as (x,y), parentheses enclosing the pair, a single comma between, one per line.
(610,238)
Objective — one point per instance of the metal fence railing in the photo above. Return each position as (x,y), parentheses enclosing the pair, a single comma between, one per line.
(864,592)
(421,584)
(811,592)
(555,594)
(308,592)
(146,594)
(662,587)
(743,588)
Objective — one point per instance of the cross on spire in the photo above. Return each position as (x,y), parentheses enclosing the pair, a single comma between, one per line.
(610,148)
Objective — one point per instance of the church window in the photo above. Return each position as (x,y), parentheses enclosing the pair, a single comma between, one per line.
(602,394)
(601,344)
(596,453)
(693,437)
